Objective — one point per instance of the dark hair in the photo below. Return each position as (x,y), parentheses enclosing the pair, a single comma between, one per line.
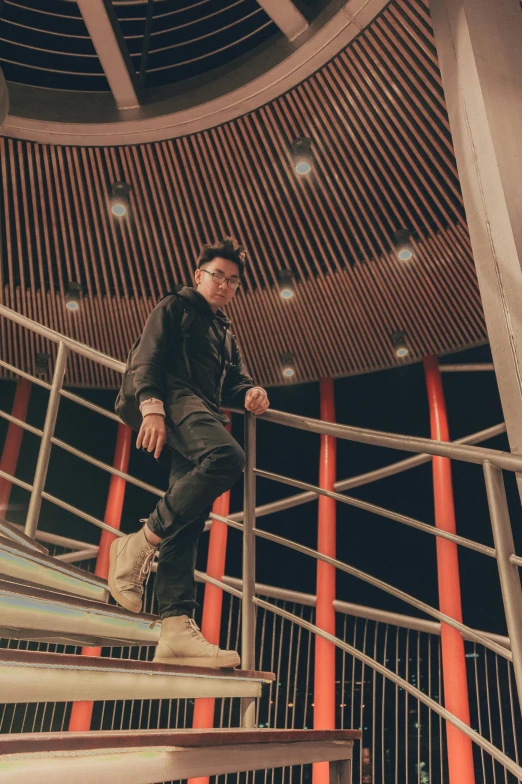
(227,248)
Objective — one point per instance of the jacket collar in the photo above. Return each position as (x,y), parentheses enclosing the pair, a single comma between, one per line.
(200,303)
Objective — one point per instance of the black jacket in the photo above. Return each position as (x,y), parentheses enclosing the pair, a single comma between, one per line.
(196,368)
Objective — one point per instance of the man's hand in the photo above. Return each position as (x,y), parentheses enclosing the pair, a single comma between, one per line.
(256,401)
(153,434)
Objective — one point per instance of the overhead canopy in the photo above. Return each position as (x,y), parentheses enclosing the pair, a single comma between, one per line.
(384,161)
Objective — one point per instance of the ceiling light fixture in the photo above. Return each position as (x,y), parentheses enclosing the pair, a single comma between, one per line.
(72,296)
(120,203)
(403,246)
(286,284)
(399,343)
(287,364)
(302,156)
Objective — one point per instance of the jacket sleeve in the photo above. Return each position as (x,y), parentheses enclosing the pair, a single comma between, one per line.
(237,381)
(150,360)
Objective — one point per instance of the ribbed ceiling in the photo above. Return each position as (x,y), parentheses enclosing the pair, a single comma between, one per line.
(384,161)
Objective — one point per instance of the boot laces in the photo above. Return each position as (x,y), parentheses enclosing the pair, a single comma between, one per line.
(196,632)
(143,566)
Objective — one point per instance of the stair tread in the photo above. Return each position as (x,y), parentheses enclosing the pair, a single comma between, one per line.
(25,588)
(106,739)
(76,661)
(48,561)
(13,534)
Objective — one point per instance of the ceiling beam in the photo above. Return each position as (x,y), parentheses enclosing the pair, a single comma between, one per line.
(104,30)
(286,15)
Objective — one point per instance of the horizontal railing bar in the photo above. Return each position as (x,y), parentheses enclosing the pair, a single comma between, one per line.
(313,490)
(106,467)
(352,570)
(515,559)
(92,406)
(69,395)
(84,515)
(496,753)
(56,337)
(402,595)
(201,577)
(482,366)
(60,541)
(503,460)
(379,510)
(25,375)
(63,505)
(413,462)
(63,392)
(15,481)
(34,430)
(468,454)
(84,456)
(371,476)
(358,610)
(78,555)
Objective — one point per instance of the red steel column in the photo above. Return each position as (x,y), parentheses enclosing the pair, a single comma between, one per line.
(324,676)
(212,607)
(13,441)
(82,711)
(460,756)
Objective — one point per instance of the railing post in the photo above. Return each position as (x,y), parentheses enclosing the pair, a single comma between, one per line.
(13,440)
(42,464)
(248,631)
(456,700)
(508,572)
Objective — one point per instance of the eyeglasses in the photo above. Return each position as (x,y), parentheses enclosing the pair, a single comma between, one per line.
(219,278)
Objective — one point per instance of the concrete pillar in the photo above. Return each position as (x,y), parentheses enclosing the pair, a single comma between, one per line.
(479,43)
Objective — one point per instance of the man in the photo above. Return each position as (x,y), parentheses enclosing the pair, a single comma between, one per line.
(186,362)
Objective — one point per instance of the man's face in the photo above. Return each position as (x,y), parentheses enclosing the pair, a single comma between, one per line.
(218,295)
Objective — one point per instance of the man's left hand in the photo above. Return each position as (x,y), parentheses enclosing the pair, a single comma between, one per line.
(256,401)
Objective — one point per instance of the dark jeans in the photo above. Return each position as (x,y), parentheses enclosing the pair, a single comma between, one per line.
(206,462)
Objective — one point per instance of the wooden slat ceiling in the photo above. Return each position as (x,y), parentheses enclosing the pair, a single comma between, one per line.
(384,161)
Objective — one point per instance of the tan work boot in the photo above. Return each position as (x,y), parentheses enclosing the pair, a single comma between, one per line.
(130,562)
(181,642)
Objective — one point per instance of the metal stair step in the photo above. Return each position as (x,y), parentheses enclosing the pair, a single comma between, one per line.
(28,612)
(12,532)
(31,676)
(147,756)
(22,562)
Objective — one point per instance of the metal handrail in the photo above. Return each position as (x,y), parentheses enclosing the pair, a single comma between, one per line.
(419,695)
(370,476)
(371,580)
(57,337)
(493,462)
(313,489)
(381,511)
(467,454)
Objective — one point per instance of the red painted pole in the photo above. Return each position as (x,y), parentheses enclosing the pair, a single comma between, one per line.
(212,608)
(81,713)
(324,675)
(460,754)
(13,441)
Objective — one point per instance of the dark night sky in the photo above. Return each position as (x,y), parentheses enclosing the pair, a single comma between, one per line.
(393,400)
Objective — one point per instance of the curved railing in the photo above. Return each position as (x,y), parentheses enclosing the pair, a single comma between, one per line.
(494,463)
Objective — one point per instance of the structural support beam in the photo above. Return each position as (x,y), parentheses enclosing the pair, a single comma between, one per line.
(478,44)
(104,29)
(286,16)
